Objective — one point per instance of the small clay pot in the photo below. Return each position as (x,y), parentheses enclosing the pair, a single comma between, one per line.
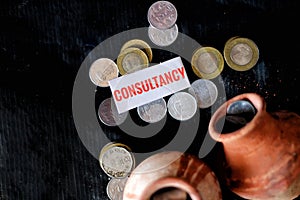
(172,169)
(262,158)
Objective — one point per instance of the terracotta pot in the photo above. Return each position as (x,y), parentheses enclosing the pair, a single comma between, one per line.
(172,169)
(263,157)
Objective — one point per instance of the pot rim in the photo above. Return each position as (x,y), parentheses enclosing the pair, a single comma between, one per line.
(175,182)
(259,104)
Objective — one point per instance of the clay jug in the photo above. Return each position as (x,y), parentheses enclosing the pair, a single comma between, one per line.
(262,158)
(182,172)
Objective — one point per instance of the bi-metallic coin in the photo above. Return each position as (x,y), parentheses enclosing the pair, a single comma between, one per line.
(207,62)
(131,59)
(140,44)
(162,15)
(241,54)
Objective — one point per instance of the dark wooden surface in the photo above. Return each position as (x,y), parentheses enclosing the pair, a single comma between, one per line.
(43,43)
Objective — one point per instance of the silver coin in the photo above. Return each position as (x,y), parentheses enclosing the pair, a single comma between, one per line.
(205,92)
(109,115)
(153,112)
(163,37)
(115,188)
(182,106)
(103,70)
(162,15)
(116,161)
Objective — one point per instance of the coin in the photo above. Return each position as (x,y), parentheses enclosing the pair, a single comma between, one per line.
(131,59)
(162,15)
(205,92)
(116,160)
(140,44)
(182,106)
(153,112)
(163,37)
(240,53)
(108,113)
(115,188)
(207,62)
(102,70)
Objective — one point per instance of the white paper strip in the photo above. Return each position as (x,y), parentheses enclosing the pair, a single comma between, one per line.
(143,86)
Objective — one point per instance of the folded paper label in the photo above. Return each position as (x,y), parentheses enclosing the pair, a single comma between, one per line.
(149,84)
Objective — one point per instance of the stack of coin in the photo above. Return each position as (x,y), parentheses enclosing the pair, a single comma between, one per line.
(140,44)
(102,70)
(134,55)
(241,53)
(116,160)
(162,16)
(207,62)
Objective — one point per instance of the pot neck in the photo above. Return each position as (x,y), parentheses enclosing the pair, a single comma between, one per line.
(251,134)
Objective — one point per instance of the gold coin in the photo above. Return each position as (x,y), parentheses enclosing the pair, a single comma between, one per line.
(116,160)
(240,53)
(232,38)
(140,44)
(132,59)
(207,62)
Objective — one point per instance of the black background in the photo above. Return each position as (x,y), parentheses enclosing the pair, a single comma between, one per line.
(43,43)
